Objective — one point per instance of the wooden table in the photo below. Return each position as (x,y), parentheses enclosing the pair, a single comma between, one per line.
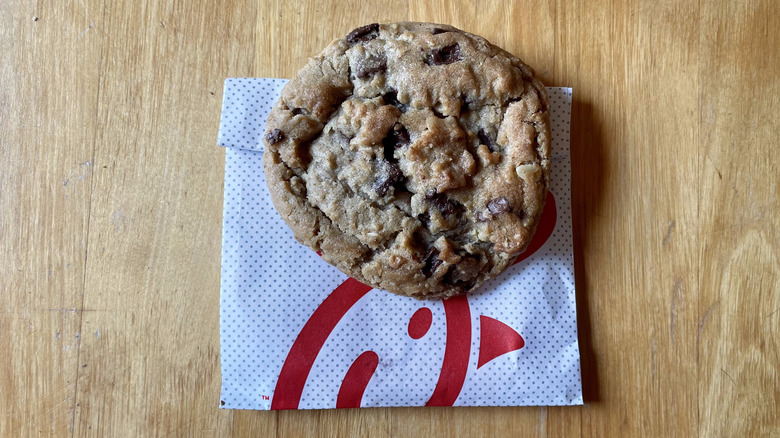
(111,207)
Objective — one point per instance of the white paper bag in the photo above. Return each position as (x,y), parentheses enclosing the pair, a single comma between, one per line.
(296,333)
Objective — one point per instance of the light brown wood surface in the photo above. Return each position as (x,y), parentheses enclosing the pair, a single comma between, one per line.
(111,207)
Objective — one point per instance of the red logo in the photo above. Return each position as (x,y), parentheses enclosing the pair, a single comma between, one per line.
(496,339)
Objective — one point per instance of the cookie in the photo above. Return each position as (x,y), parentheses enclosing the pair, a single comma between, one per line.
(413,156)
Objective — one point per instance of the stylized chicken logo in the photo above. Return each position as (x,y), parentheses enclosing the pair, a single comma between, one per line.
(496,339)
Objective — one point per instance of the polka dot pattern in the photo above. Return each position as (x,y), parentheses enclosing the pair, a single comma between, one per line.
(271,285)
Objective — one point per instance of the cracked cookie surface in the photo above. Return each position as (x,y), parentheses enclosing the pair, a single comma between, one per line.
(414,156)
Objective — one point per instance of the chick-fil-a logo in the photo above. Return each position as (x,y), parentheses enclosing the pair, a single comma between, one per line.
(496,339)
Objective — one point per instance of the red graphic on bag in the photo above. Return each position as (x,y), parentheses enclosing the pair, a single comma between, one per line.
(496,339)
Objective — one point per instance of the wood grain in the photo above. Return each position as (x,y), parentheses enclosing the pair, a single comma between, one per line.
(739,242)
(48,99)
(111,208)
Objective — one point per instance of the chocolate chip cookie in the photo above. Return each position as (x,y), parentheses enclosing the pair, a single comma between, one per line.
(414,156)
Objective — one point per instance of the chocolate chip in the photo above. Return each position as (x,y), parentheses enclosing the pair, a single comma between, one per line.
(445,205)
(274,136)
(464,274)
(371,65)
(499,205)
(484,139)
(222,402)
(363,33)
(438,30)
(445,55)
(452,278)
(464,286)
(393,175)
(431,262)
(391,98)
(297,111)
(397,136)
(401,135)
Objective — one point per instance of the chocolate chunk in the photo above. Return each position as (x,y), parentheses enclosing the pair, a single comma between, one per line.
(484,139)
(445,205)
(363,33)
(274,136)
(393,176)
(431,262)
(400,134)
(499,205)
(397,136)
(451,278)
(391,98)
(297,111)
(464,286)
(463,275)
(445,55)
(438,30)
(371,65)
